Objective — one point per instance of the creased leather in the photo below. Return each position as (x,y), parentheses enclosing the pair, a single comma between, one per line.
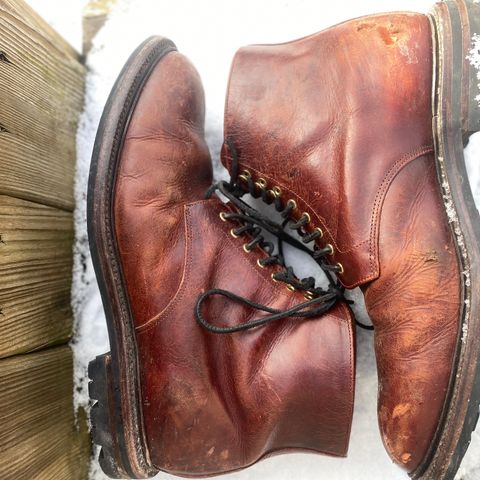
(341,121)
(214,403)
(337,105)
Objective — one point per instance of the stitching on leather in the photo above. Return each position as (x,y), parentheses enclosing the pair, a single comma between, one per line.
(340,321)
(352,374)
(308,206)
(186,270)
(381,193)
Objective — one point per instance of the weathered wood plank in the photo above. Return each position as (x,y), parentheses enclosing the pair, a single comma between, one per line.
(95,15)
(21,10)
(38,436)
(35,276)
(41,95)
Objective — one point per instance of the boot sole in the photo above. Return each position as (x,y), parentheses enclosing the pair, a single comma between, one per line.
(456,116)
(116,416)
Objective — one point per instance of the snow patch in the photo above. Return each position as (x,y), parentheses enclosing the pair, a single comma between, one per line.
(474,56)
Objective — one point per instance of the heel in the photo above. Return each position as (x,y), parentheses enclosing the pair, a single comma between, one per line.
(102,416)
(457,34)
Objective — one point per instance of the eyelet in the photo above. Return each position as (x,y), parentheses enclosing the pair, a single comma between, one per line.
(291,287)
(273,278)
(277,192)
(222,216)
(246,249)
(308,296)
(233,234)
(330,247)
(260,264)
(245,175)
(261,183)
(293,204)
(320,232)
(307,216)
(340,269)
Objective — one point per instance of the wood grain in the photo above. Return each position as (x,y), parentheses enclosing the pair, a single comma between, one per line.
(41,96)
(35,276)
(38,435)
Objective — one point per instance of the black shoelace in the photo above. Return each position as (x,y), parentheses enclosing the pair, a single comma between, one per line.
(252,222)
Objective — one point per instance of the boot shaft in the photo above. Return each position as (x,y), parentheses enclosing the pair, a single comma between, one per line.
(336,116)
(201,403)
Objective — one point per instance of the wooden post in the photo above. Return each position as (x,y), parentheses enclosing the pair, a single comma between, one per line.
(41,97)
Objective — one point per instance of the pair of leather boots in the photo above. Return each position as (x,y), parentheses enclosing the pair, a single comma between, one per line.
(220,354)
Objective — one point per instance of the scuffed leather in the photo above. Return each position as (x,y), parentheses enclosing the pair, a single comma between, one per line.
(415,307)
(228,400)
(335,108)
(163,164)
(341,121)
(214,403)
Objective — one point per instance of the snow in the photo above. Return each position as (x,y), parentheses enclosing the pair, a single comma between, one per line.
(209,33)
(474,58)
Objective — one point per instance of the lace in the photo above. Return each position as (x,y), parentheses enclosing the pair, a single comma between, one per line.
(270,197)
(251,222)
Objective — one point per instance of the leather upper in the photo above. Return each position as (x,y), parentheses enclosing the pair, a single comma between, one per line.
(343,101)
(214,403)
(341,121)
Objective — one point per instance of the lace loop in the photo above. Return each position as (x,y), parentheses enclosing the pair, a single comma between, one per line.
(301,311)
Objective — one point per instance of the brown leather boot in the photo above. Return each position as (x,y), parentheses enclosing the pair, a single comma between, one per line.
(336,130)
(174,268)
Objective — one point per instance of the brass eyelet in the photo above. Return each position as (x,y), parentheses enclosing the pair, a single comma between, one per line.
(293,204)
(233,234)
(330,247)
(340,268)
(307,216)
(320,232)
(261,183)
(245,175)
(273,278)
(277,192)
(308,296)
(246,249)
(222,216)
(260,264)
(291,287)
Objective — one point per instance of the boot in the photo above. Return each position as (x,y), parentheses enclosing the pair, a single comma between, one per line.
(336,131)
(176,268)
